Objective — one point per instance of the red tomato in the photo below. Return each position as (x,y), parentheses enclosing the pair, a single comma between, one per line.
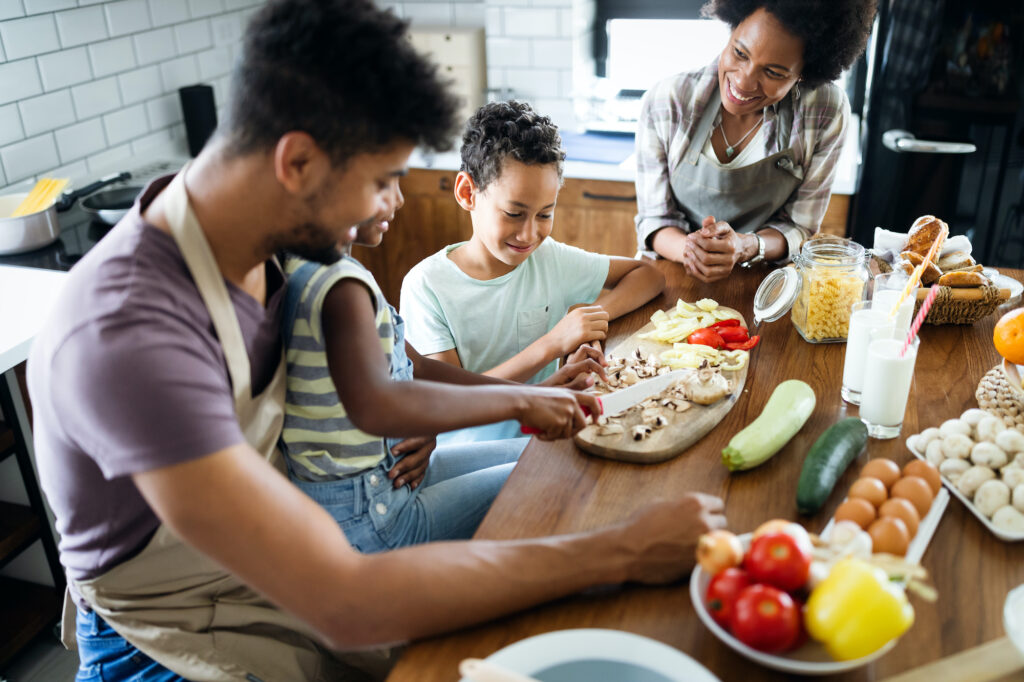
(733,334)
(706,337)
(722,592)
(744,345)
(766,619)
(778,560)
(731,322)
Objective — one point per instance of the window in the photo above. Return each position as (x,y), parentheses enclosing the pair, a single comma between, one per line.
(641,52)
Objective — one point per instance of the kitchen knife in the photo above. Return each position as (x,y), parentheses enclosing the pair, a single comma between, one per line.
(623,399)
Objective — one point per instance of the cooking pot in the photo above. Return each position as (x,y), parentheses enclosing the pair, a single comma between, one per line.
(111,205)
(39,229)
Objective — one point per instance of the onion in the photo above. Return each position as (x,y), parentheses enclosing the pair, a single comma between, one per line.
(719,550)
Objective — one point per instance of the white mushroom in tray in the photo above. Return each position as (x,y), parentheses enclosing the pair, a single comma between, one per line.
(706,385)
(641,431)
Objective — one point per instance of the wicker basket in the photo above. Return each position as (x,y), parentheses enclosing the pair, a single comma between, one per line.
(955,306)
(1001,396)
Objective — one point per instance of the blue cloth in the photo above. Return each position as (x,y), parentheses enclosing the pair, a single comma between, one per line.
(106,656)
(597,147)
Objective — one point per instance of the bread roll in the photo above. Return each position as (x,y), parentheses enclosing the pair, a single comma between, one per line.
(963,279)
(923,234)
(957,260)
(930,274)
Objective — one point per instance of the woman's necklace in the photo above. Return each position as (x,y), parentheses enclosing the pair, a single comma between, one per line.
(730,149)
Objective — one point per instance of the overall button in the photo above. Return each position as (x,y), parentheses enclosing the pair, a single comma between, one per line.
(374,479)
(381,508)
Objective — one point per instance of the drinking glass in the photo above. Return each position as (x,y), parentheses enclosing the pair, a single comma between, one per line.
(866,324)
(887,379)
(887,290)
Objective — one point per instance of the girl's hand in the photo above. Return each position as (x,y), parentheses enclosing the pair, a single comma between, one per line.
(713,251)
(415,456)
(556,412)
(582,325)
(575,372)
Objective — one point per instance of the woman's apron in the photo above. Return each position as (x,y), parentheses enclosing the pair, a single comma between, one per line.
(171,601)
(745,197)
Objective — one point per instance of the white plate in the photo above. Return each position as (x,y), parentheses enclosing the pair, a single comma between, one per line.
(810,659)
(578,655)
(1001,534)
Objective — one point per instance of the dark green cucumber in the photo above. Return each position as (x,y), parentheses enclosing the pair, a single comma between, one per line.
(827,460)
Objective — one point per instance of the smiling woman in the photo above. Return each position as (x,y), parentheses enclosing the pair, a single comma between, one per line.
(735,161)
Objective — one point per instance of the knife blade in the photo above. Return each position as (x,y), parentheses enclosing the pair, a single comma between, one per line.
(623,399)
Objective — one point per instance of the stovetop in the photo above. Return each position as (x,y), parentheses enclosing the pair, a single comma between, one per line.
(80,231)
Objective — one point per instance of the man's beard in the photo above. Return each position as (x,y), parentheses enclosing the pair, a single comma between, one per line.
(311,242)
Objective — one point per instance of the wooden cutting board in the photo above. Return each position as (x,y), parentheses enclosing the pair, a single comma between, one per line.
(684,428)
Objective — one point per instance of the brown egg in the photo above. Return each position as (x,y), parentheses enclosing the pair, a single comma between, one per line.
(870,489)
(857,510)
(916,490)
(925,470)
(885,470)
(904,511)
(889,535)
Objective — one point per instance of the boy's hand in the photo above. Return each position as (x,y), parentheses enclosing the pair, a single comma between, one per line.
(412,467)
(556,413)
(576,373)
(582,325)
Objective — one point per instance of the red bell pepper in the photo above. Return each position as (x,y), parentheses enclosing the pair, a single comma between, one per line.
(743,345)
(731,322)
(733,334)
(706,337)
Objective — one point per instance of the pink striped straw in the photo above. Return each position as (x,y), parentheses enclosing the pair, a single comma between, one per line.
(933,291)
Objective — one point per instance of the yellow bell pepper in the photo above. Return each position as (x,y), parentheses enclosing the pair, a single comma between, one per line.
(856,610)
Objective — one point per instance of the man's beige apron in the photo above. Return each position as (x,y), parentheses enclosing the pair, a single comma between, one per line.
(174,603)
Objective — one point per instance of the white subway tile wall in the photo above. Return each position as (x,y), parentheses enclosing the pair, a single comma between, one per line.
(119,63)
(529,46)
(86,83)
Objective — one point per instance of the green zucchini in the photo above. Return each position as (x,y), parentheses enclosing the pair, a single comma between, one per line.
(786,411)
(827,460)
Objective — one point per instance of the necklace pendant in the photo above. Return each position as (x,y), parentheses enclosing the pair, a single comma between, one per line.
(729,151)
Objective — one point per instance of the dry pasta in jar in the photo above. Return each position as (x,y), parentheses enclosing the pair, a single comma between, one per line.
(833,274)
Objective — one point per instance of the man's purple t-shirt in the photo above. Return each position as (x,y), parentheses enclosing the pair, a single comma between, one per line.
(128,376)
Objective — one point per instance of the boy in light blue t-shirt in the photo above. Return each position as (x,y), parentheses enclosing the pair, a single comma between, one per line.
(511,301)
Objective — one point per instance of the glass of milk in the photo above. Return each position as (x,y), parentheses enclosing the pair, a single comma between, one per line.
(887,379)
(867,323)
(887,290)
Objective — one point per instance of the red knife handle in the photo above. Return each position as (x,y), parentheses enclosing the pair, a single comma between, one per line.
(532,431)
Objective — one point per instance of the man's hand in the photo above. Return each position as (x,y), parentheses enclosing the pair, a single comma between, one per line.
(576,373)
(582,325)
(415,456)
(663,537)
(713,251)
(556,412)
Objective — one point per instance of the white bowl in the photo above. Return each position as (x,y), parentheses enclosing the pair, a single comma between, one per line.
(809,659)
(1013,617)
(551,657)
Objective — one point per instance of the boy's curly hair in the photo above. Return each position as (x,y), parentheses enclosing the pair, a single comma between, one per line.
(512,129)
(342,71)
(835,32)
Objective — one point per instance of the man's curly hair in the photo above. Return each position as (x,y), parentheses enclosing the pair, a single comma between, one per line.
(344,72)
(835,32)
(501,130)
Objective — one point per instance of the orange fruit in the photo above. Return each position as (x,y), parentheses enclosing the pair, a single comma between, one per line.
(1009,336)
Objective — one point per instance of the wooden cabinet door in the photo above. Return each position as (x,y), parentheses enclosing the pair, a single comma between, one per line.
(597,215)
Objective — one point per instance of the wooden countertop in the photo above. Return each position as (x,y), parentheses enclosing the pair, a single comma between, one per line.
(556,488)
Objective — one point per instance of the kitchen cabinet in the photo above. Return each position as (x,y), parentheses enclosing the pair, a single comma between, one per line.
(596,215)
(26,608)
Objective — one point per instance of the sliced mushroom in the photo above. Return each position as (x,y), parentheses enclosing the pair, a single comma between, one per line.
(629,377)
(641,431)
(610,429)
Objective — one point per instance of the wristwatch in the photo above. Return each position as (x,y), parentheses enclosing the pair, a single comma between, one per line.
(759,258)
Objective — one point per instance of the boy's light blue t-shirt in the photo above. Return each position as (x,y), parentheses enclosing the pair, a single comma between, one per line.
(490,321)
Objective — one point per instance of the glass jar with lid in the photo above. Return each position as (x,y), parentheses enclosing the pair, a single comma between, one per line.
(833,275)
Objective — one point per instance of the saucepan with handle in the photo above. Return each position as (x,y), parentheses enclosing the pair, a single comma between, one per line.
(39,229)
